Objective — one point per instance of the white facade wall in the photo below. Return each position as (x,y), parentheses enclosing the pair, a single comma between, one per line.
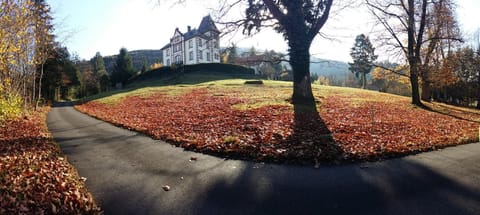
(190,50)
(201,53)
(167,56)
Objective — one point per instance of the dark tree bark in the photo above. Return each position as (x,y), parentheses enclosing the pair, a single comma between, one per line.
(478,91)
(300,62)
(299,22)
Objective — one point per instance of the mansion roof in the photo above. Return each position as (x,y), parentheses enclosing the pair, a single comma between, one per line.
(206,25)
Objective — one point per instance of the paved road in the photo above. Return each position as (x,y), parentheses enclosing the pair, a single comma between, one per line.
(125,171)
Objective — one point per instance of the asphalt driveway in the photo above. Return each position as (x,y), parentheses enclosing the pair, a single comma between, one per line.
(126,170)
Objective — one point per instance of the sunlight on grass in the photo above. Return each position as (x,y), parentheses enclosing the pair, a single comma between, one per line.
(255,96)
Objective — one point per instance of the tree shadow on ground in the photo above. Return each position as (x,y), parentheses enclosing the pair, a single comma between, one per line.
(311,139)
(449,112)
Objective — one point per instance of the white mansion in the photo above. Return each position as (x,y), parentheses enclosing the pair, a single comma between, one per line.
(194,46)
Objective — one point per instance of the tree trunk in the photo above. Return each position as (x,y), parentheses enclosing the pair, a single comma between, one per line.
(426,91)
(39,87)
(364,80)
(34,91)
(478,92)
(414,84)
(300,62)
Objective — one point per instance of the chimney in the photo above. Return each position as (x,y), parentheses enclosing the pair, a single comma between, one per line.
(189,28)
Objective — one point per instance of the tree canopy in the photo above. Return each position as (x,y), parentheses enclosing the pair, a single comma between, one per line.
(363,55)
(123,68)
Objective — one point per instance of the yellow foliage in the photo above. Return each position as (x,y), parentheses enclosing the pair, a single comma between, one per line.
(10,105)
(322,81)
(380,73)
(388,81)
(156,66)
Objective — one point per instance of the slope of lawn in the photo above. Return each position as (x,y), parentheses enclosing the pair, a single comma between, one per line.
(35,177)
(257,122)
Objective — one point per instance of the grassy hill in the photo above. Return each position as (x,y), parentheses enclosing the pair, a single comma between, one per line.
(230,118)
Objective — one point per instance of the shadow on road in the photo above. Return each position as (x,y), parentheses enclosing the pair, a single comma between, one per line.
(401,187)
(62,104)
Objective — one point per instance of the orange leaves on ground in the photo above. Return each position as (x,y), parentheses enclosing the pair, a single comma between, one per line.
(347,129)
(376,130)
(35,178)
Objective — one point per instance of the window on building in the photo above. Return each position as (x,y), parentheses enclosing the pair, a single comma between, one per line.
(200,55)
(208,56)
(190,44)
(215,44)
(168,52)
(208,44)
(178,59)
(216,56)
(190,55)
(200,42)
(168,62)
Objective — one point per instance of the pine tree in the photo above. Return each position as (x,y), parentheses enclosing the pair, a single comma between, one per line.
(100,73)
(232,54)
(123,68)
(363,55)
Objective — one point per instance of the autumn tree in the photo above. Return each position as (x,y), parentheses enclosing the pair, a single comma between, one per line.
(363,55)
(396,82)
(123,68)
(44,39)
(462,88)
(17,57)
(406,23)
(442,36)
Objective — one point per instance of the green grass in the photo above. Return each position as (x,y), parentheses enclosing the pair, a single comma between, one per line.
(254,96)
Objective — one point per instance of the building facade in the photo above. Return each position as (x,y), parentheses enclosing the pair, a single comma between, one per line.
(195,46)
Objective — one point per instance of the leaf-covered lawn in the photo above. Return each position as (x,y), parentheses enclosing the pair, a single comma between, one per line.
(35,177)
(257,122)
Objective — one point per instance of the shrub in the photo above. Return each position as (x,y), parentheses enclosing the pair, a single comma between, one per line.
(10,106)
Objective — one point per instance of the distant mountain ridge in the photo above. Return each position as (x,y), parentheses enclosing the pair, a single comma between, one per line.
(139,58)
(328,68)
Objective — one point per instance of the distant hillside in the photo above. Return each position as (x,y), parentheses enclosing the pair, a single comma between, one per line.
(329,68)
(139,58)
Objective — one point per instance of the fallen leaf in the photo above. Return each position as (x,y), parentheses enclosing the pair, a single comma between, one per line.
(166,187)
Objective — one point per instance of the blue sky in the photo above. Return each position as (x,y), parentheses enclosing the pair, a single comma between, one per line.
(88,26)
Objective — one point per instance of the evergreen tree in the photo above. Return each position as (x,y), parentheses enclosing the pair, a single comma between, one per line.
(232,54)
(100,73)
(123,68)
(252,52)
(144,66)
(363,54)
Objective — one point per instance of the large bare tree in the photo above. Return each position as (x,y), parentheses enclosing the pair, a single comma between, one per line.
(414,28)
